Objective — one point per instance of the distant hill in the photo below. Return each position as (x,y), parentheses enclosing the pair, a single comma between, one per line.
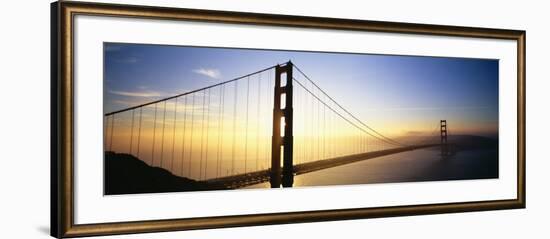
(126,174)
(461,142)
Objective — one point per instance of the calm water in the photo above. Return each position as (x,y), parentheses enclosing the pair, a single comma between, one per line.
(418,165)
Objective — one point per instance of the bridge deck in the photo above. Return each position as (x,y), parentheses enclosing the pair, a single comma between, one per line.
(247,179)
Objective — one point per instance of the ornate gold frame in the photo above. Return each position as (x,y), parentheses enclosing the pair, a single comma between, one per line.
(62,185)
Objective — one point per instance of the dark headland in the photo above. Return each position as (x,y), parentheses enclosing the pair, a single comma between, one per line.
(126,174)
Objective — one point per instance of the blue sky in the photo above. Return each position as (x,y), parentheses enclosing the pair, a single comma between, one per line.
(393,93)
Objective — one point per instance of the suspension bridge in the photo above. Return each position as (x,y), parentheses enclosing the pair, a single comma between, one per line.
(266,126)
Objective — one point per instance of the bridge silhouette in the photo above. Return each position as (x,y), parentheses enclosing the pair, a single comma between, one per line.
(266,126)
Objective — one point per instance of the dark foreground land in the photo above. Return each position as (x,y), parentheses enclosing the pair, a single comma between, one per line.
(126,174)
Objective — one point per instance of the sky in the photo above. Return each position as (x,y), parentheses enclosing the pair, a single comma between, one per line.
(397,95)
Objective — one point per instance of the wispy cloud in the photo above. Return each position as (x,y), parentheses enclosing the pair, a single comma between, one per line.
(169,105)
(126,103)
(209,72)
(137,93)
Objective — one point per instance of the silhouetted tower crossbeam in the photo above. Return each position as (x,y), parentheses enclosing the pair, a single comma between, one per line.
(280,112)
(444,144)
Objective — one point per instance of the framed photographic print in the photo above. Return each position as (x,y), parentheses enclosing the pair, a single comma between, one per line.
(220,119)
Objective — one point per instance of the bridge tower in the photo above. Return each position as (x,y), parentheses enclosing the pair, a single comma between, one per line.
(283,89)
(444,144)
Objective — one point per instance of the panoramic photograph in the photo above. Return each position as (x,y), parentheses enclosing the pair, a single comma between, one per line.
(192,118)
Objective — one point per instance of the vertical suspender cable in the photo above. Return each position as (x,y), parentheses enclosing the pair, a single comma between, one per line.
(324,132)
(183,133)
(174,133)
(132,131)
(234,127)
(220,135)
(207,134)
(112,131)
(162,136)
(310,127)
(191,136)
(318,127)
(296,152)
(202,133)
(139,131)
(258,122)
(312,130)
(246,123)
(154,136)
(305,125)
